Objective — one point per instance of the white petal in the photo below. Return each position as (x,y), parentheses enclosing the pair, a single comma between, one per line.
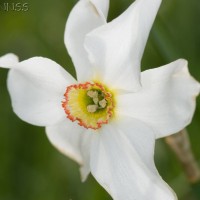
(85,16)
(141,137)
(36,87)
(8,60)
(119,159)
(73,141)
(167,99)
(116,49)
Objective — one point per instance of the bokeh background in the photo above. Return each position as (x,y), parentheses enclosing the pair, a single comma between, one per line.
(30,168)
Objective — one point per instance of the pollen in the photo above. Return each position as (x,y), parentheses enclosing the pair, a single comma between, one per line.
(90,104)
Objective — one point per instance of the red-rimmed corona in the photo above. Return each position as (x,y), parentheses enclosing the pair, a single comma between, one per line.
(91,104)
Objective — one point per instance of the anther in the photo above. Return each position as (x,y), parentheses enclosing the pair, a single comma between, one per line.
(92,108)
(92,94)
(96,100)
(103,103)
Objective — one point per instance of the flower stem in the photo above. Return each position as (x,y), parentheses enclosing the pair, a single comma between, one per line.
(180,144)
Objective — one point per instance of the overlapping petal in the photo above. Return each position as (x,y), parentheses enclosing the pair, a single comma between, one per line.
(73,141)
(122,162)
(116,49)
(166,101)
(8,60)
(102,7)
(36,87)
(85,16)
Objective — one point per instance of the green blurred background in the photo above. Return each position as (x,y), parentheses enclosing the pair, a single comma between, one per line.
(30,168)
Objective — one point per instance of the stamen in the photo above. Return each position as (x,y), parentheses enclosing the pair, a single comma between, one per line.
(103,103)
(92,94)
(92,108)
(96,100)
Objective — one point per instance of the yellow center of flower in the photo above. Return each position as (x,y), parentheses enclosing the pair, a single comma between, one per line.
(91,104)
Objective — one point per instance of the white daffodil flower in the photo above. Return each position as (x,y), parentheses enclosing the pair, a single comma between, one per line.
(108,119)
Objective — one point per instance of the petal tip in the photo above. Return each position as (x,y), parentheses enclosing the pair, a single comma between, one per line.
(8,60)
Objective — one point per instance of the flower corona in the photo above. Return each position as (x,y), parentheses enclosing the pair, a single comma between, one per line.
(91,104)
